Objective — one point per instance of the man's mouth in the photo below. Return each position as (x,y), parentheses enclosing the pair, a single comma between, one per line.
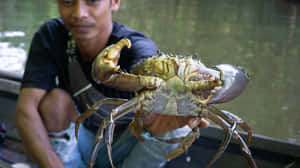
(81,28)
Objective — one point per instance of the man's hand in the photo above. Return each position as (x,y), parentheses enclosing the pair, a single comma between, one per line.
(158,124)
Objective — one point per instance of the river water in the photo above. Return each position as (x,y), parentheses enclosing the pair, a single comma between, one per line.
(260,35)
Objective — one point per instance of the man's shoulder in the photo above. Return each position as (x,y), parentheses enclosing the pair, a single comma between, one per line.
(54,22)
(51,34)
(122,31)
(53,27)
(138,39)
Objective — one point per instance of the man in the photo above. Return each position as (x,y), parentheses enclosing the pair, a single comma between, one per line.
(45,113)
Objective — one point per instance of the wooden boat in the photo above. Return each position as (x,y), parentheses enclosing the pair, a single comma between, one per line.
(268,152)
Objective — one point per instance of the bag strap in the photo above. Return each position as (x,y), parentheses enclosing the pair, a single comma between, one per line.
(83,92)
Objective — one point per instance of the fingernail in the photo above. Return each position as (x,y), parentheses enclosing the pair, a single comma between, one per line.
(196,122)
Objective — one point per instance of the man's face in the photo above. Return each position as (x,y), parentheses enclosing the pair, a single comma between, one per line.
(87,19)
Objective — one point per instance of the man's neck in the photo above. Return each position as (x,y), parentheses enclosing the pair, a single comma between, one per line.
(90,48)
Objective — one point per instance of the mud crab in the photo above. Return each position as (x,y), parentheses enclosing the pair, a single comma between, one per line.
(169,85)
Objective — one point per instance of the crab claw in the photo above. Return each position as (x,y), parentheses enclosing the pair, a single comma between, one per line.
(234,79)
(106,63)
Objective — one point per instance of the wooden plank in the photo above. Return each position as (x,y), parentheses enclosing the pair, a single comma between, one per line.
(11,75)
(10,86)
(13,152)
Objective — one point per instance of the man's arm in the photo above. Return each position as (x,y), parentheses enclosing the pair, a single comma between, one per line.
(32,129)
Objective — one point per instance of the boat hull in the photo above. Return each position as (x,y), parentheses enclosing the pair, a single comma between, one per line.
(267,152)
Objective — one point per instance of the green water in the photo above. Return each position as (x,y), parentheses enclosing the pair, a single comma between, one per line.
(260,35)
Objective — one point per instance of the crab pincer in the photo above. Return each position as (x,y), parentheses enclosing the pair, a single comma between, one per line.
(106,63)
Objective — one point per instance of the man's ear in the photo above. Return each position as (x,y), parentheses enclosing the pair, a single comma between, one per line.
(115,4)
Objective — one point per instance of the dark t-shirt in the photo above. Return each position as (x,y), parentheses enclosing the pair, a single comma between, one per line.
(48,60)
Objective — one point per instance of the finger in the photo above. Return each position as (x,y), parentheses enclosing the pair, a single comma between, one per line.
(204,123)
(194,122)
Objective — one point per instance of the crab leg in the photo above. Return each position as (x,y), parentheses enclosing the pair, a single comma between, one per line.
(229,117)
(214,115)
(109,138)
(94,109)
(136,126)
(96,146)
(245,149)
(131,82)
(241,123)
(108,126)
(185,144)
(227,137)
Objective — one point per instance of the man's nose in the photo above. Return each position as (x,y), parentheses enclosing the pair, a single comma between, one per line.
(80,10)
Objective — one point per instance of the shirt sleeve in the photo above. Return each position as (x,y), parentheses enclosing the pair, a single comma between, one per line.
(40,70)
(142,48)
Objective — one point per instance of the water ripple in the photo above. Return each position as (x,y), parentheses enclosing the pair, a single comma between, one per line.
(12,58)
(12,34)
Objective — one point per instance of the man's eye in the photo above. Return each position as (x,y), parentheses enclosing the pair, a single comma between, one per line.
(94,1)
(67,2)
